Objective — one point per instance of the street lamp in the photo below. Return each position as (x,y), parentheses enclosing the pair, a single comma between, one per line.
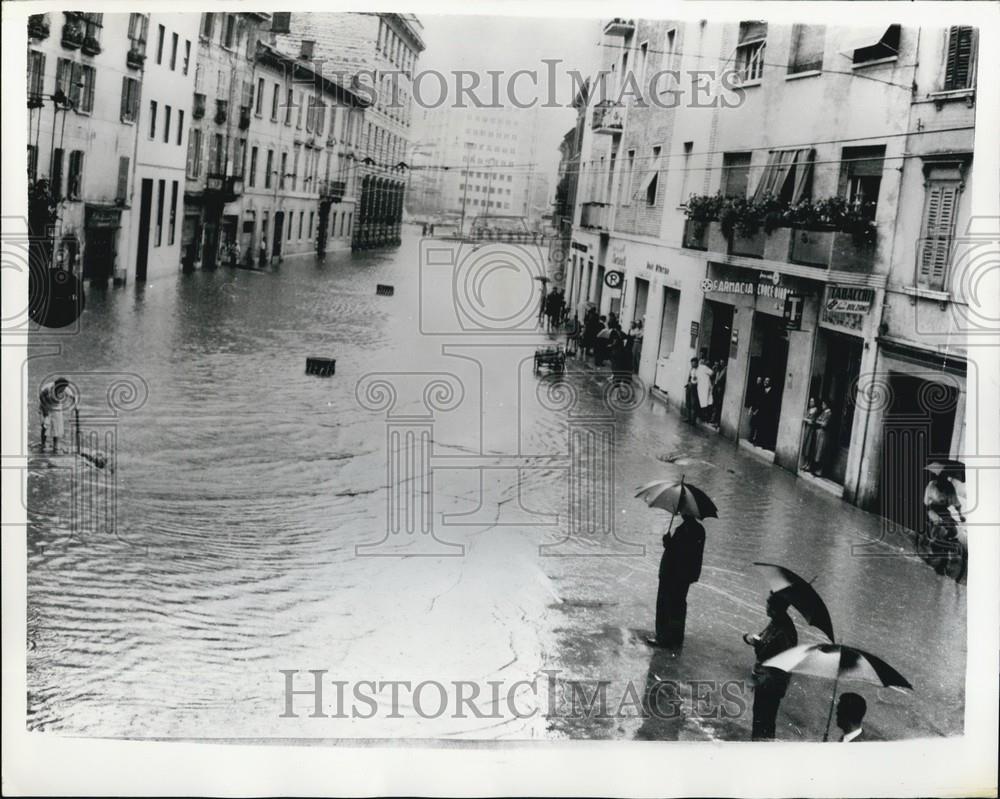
(469,147)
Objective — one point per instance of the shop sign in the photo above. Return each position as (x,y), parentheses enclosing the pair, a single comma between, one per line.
(102,217)
(618,257)
(848,299)
(793,311)
(614,280)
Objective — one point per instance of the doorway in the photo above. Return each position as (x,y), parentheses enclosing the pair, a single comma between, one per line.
(917,429)
(768,361)
(145,212)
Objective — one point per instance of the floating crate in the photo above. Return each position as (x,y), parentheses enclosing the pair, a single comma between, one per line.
(321,367)
(383,290)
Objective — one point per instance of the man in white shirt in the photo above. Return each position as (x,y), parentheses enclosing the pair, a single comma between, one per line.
(851,709)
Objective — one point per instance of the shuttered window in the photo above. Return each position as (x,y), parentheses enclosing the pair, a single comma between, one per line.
(122,192)
(940,208)
(958,68)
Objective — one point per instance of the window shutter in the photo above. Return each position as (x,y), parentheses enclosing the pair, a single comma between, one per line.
(122,193)
(939,220)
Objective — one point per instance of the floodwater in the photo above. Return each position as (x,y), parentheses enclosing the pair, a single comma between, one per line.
(243,487)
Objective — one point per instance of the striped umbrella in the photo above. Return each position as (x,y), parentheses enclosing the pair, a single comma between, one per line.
(838,662)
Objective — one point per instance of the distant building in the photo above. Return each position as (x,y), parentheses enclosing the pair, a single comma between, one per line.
(375,54)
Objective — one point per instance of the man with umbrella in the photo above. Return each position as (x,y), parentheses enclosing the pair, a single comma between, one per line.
(769,684)
(683,549)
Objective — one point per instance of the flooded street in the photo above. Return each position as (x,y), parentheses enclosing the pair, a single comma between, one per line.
(243,487)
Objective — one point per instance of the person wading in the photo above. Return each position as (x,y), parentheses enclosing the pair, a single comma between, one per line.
(770,684)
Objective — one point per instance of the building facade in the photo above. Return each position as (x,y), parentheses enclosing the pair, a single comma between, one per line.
(376,55)
(810,250)
(163,50)
(83,90)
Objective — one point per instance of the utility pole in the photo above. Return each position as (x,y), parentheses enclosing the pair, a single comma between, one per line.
(469,146)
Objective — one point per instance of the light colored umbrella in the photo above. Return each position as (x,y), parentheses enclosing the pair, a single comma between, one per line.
(837,662)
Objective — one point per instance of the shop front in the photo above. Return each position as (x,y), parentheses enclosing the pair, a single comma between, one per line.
(761,326)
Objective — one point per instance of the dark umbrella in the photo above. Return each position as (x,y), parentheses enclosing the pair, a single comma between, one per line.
(800,595)
(947,467)
(838,662)
(682,498)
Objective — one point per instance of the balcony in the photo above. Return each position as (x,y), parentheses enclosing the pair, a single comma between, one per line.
(38,26)
(224,188)
(619,27)
(608,118)
(198,111)
(594,215)
(135,59)
(830,249)
(221,112)
(332,190)
(695,235)
(244,117)
(90,46)
(72,34)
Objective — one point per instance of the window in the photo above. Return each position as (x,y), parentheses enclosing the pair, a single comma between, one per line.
(943,187)
(259,109)
(959,67)
(162,198)
(74,180)
(175,41)
(807,48)
(56,172)
(166,123)
(735,174)
(173,213)
(121,193)
(861,177)
(36,74)
(159,44)
(152,119)
(750,51)
(269,170)
(138,31)
(180,127)
(187,55)
(207,25)
(281,22)
(882,45)
(194,153)
(787,176)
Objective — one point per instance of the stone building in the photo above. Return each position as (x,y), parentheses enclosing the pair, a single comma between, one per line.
(375,54)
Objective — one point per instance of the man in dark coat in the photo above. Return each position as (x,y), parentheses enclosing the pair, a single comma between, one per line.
(680,566)
(770,684)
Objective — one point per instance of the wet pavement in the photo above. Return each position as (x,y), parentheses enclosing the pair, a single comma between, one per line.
(242,487)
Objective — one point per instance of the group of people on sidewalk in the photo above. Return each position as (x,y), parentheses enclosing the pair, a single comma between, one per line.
(680,568)
(705,388)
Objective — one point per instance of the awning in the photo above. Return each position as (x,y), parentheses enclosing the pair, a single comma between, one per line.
(870,37)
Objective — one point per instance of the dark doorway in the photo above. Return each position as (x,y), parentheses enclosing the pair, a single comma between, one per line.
(145,212)
(279,220)
(917,429)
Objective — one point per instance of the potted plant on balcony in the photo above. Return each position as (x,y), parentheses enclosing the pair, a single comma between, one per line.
(38,26)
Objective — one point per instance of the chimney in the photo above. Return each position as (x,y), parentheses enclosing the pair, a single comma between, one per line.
(308,47)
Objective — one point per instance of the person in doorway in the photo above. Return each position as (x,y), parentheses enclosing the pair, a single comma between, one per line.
(691,392)
(680,566)
(851,709)
(768,427)
(770,685)
(753,403)
(718,391)
(809,437)
(53,400)
(822,437)
(705,378)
